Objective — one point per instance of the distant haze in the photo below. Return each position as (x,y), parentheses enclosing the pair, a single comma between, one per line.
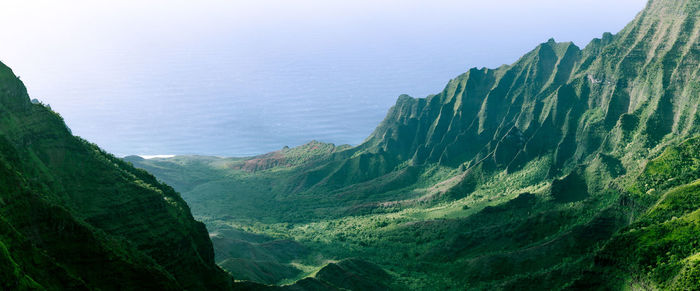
(235,78)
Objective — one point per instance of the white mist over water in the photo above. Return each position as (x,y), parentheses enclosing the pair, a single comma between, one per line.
(233,78)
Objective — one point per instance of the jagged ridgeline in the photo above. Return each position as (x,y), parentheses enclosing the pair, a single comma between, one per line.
(73,217)
(623,95)
(571,168)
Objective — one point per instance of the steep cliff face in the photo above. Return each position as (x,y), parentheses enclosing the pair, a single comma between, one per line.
(73,216)
(483,112)
(623,94)
(571,168)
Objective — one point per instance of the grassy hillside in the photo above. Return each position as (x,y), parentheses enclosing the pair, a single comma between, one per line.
(569,168)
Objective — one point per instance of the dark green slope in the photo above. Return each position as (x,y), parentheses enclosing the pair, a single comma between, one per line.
(660,248)
(534,175)
(347,274)
(75,217)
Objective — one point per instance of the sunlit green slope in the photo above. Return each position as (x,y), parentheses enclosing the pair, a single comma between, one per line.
(534,175)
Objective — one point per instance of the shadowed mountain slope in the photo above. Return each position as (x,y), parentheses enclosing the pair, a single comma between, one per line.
(75,217)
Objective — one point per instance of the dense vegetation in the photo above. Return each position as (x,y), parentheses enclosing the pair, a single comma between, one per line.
(571,168)
(74,217)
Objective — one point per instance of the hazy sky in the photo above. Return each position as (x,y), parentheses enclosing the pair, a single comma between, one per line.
(245,77)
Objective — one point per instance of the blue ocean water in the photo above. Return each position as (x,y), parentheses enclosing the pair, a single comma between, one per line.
(217,104)
(209,83)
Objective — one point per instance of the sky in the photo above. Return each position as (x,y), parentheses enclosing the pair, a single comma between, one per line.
(238,78)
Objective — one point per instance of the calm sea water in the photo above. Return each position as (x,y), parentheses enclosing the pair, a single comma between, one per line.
(213,103)
(242,78)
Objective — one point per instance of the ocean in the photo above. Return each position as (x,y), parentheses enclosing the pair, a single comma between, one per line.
(229,78)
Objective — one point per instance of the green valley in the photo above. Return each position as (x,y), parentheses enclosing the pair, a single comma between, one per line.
(570,168)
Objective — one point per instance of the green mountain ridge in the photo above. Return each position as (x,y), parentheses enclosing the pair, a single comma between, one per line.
(533,175)
(568,169)
(74,217)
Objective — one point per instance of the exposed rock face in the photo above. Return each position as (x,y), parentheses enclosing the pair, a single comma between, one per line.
(73,216)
